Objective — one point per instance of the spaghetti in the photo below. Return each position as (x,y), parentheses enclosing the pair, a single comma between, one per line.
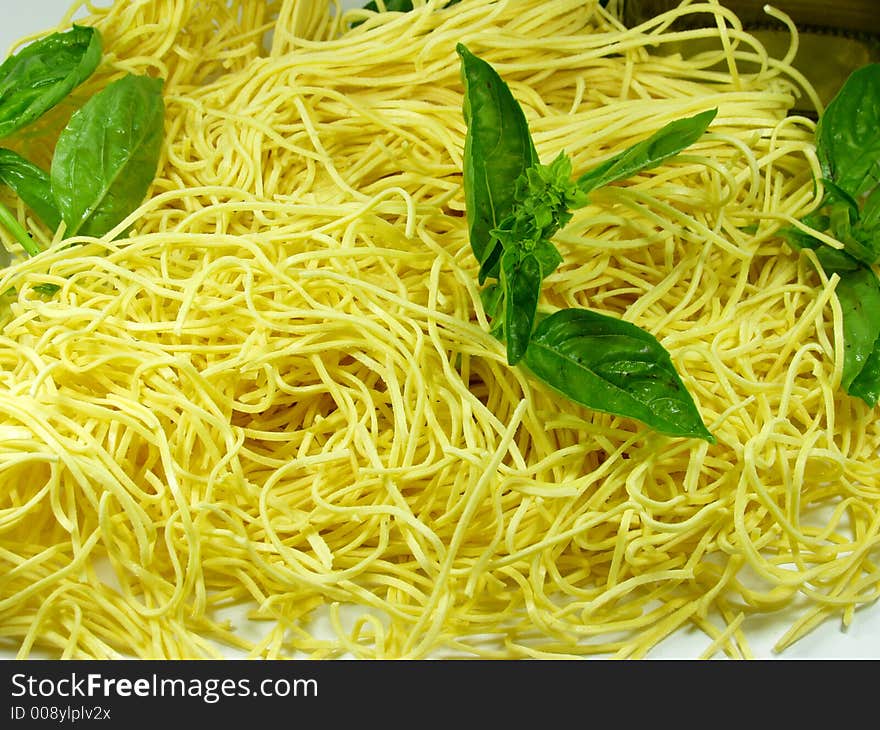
(277,391)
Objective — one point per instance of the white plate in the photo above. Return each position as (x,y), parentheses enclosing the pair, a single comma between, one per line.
(862,640)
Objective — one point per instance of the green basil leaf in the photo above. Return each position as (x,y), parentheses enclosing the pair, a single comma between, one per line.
(498,148)
(46,290)
(848,133)
(489,267)
(43,73)
(665,143)
(798,239)
(866,385)
(107,156)
(841,216)
(31,184)
(869,216)
(866,231)
(521,281)
(18,232)
(831,259)
(858,293)
(492,298)
(610,365)
(834,260)
(543,199)
(548,256)
(836,194)
(858,230)
(846,227)
(862,243)
(401,6)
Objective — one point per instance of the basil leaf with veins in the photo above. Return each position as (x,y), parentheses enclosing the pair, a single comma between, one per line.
(107,156)
(31,183)
(44,72)
(498,149)
(610,365)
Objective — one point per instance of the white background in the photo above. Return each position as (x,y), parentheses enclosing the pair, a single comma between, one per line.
(862,640)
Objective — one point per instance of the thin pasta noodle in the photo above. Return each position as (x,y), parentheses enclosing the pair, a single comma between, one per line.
(269,419)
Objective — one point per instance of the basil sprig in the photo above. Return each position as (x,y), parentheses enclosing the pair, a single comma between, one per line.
(515,205)
(106,156)
(848,148)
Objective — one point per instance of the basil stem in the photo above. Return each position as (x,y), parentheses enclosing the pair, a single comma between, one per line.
(107,156)
(43,73)
(401,6)
(10,222)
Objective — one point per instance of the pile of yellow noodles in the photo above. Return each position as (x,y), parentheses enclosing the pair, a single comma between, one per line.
(277,395)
